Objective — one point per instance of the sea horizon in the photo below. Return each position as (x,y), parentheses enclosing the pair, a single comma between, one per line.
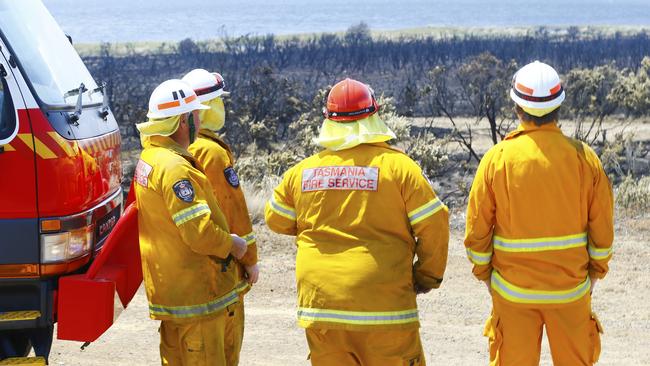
(95,21)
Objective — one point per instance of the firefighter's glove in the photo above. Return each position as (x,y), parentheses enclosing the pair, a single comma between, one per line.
(238,246)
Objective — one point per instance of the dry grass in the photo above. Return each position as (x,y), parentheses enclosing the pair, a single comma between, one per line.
(257,195)
(633,196)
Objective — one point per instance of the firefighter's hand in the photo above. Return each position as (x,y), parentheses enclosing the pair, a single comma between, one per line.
(420,289)
(593,284)
(252,273)
(238,246)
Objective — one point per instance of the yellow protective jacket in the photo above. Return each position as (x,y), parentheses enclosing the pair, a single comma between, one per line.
(540,218)
(359,216)
(217,161)
(183,235)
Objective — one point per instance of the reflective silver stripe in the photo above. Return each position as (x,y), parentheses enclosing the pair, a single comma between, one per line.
(282,210)
(189,213)
(196,310)
(479,258)
(249,238)
(540,244)
(425,211)
(599,253)
(525,296)
(358,317)
(242,286)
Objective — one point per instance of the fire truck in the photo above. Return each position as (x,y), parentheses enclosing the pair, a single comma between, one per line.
(68,248)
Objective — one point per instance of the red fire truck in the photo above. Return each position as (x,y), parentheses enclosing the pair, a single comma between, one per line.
(60,194)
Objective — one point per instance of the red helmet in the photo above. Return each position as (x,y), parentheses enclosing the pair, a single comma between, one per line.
(350,100)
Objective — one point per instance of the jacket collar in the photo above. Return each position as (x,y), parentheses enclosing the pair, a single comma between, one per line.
(209,134)
(527,127)
(384,145)
(167,143)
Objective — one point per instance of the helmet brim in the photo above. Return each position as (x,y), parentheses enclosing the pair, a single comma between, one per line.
(215,94)
(537,105)
(193,106)
(200,106)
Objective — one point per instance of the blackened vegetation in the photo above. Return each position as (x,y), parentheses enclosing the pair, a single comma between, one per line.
(278,84)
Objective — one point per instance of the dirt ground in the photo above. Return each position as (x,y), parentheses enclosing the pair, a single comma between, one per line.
(452,317)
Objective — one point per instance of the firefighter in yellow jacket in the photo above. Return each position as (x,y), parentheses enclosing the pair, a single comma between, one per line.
(361,212)
(217,161)
(183,234)
(540,231)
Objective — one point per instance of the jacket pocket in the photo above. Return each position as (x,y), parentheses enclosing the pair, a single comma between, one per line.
(492,330)
(596,329)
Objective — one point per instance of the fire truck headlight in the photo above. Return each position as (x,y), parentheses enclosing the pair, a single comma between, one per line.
(66,245)
(54,247)
(80,242)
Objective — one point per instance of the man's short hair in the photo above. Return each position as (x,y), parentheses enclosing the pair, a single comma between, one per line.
(545,119)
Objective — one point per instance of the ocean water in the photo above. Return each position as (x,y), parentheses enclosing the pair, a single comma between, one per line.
(160,20)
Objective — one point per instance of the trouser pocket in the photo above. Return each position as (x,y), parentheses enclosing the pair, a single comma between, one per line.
(416,360)
(194,347)
(492,331)
(596,329)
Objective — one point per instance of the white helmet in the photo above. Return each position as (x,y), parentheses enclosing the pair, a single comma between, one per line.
(537,89)
(173,98)
(206,85)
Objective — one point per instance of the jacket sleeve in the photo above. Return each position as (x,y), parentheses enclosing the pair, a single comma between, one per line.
(481,211)
(429,220)
(280,212)
(601,220)
(214,166)
(187,203)
(244,228)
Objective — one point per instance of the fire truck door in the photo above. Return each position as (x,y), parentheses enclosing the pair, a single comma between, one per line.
(18,211)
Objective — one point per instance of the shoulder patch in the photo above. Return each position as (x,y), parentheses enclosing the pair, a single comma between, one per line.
(184,190)
(142,172)
(231,176)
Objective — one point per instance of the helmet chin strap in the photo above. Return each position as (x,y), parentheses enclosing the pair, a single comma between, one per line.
(192,126)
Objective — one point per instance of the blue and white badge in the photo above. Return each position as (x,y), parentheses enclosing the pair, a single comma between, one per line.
(231,176)
(184,190)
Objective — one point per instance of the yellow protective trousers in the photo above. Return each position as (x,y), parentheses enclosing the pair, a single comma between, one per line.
(197,343)
(234,332)
(515,334)
(334,347)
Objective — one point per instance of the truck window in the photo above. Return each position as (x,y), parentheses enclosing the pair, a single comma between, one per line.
(7,113)
(49,62)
